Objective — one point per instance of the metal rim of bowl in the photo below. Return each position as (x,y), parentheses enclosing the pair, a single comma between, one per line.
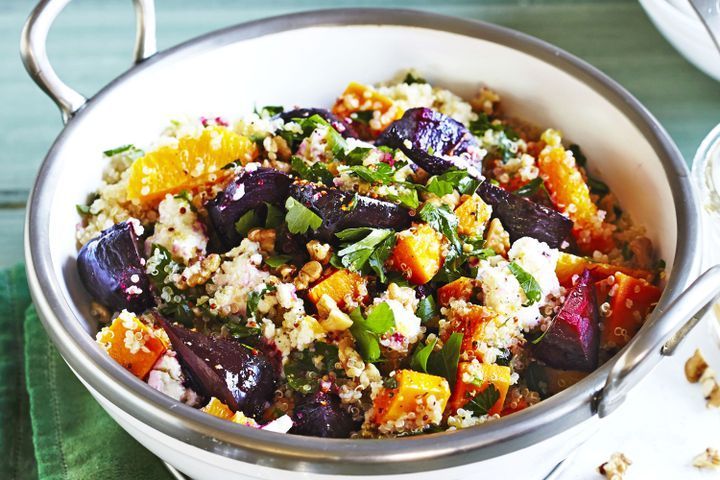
(342,456)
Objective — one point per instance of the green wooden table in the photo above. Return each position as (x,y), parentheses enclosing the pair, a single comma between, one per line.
(92,43)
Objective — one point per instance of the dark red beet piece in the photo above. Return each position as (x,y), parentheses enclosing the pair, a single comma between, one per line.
(433,138)
(343,128)
(571,341)
(340,210)
(322,415)
(522,218)
(242,378)
(249,191)
(113,271)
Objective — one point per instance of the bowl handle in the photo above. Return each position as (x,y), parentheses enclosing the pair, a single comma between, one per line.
(661,339)
(34,55)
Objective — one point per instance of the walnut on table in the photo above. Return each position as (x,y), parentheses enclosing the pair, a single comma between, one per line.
(616,467)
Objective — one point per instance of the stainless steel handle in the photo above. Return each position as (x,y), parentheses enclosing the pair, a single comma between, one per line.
(683,312)
(34,54)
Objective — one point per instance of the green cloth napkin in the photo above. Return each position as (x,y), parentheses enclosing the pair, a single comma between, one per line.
(51,428)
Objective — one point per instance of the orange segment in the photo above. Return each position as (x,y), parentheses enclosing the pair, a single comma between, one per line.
(195,161)
(132,344)
(571,195)
(361,98)
(218,409)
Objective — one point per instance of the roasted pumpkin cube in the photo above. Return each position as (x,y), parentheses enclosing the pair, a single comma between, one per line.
(216,408)
(473,214)
(359,98)
(341,285)
(420,393)
(132,344)
(571,195)
(473,378)
(569,265)
(418,253)
(460,289)
(471,321)
(630,300)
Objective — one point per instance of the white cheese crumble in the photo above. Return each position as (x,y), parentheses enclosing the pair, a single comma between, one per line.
(179,230)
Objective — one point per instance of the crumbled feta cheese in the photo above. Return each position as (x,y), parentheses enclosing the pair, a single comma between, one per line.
(179,230)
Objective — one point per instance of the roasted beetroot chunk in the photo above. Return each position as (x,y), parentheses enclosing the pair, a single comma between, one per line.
(340,210)
(571,341)
(433,138)
(322,415)
(113,271)
(523,218)
(344,128)
(241,377)
(249,191)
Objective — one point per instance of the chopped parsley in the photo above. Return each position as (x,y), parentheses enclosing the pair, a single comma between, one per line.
(407,197)
(270,110)
(442,220)
(443,362)
(83,210)
(303,373)
(299,218)
(277,260)
(175,303)
(484,401)
(426,309)
(274,217)
(123,149)
(445,183)
(239,331)
(411,78)
(505,146)
(372,249)
(363,116)
(530,286)
(253,299)
(596,186)
(367,331)
(530,188)
(249,220)
(317,172)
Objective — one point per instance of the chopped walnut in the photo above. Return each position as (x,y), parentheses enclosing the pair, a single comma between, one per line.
(710,459)
(310,272)
(695,367)
(265,237)
(286,272)
(199,274)
(319,251)
(615,468)
(486,101)
(697,370)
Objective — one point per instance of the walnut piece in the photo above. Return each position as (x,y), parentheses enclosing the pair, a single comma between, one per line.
(710,459)
(615,468)
(310,272)
(695,367)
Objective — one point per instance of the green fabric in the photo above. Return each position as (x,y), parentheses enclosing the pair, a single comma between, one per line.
(51,427)
(17,459)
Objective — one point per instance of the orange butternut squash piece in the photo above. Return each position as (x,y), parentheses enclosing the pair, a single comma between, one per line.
(418,253)
(362,98)
(412,396)
(338,286)
(571,195)
(474,378)
(569,265)
(132,344)
(460,289)
(631,300)
(473,214)
(471,322)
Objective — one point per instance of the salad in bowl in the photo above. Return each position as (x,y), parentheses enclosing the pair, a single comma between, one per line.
(403,262)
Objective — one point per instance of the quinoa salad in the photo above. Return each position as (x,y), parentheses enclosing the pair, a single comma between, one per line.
(405,261)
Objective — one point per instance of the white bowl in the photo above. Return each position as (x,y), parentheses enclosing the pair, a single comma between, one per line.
(684,30)
(307,59)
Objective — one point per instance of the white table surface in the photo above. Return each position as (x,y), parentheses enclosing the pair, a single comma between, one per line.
(663,423)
